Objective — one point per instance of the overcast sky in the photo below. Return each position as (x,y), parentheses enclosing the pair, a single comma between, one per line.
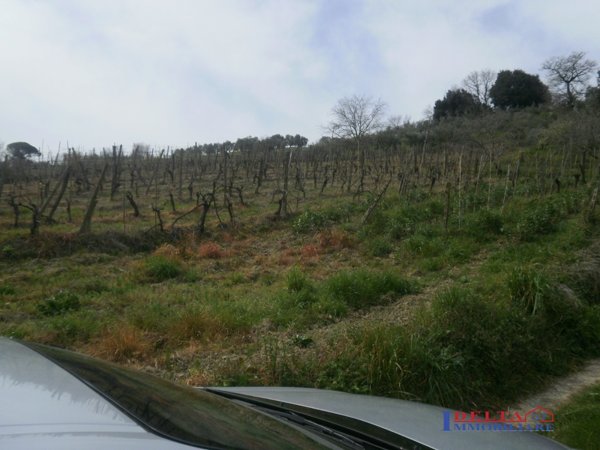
(174,72)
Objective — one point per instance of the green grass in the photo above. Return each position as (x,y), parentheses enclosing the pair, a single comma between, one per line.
(509,291)
(577,420)
(159,268)
(362,288)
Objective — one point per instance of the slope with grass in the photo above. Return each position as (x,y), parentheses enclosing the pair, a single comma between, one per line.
(469,295)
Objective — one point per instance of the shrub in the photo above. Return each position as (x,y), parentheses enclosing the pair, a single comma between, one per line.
(160,268)
(539,221)
(309,221)
(60,303)
(399,227)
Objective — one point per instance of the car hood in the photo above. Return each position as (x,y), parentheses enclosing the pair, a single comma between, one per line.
(43,406)
(419,422)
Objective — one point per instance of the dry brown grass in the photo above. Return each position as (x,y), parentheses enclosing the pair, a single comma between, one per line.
(122,343)
(168,251)
(211,250)
(199,325)
(333,240)
(309,251)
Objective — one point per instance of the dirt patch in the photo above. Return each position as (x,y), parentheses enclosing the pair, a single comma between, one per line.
(562,389)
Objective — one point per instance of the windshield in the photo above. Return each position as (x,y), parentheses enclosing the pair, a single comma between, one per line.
(180,413)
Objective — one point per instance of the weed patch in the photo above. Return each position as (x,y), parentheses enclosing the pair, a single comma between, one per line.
(160,268)
(60,303)
(361,288)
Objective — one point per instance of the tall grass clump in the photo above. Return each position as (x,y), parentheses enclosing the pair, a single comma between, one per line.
(379,247)
(570,328)
(157,268)
(485,225)
(297,305)
(297,280)
(361,288)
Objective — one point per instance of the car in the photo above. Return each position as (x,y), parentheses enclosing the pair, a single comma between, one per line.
(56,399)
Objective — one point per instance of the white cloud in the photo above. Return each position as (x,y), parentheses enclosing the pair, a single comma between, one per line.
(171,73)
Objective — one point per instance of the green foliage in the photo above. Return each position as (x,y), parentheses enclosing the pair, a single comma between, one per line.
(362,288)
(577,420)
(438,358)
(158,268)
(73,327)
(542,219)
(379,247)
(456,102)
(528,289)
(298,301)
(297,280)
(424,245)
(22,150)
(517,89)
(58,304)
(7,289)
(309,221)
(154,316)
(7,251)
(485,225)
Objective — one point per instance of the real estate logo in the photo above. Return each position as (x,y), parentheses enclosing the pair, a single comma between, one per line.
(536,419)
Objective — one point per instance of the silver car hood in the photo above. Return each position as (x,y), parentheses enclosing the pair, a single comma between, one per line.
(44,407)
(417,421)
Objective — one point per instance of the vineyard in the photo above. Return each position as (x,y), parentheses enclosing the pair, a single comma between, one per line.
(454,262)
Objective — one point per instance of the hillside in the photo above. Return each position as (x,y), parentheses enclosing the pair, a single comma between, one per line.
(460,267)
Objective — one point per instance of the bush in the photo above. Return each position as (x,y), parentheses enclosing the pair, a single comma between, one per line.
(362,288)
(309,221)
(540,220)
(58,304)
(399,227)
(160,268)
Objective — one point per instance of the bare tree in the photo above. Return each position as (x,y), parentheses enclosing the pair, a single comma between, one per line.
(479,83)
(398,121)
(86,225)
(354,118)
(569,75)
